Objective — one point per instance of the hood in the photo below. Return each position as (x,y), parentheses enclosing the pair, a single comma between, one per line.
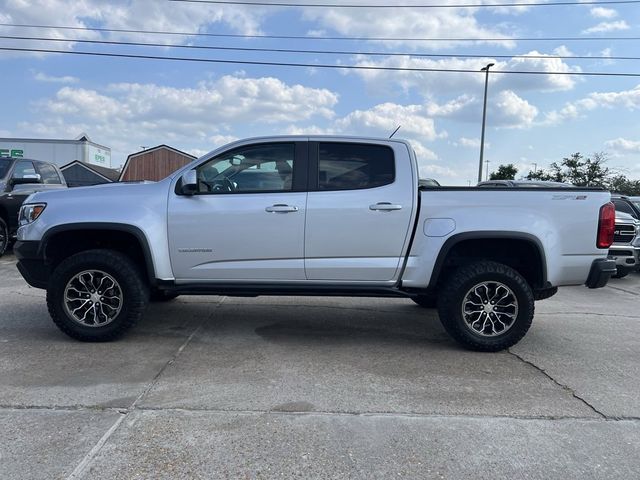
(103,191)
(624,217)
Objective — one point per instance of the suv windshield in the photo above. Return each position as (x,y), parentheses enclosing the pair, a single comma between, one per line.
(5,163)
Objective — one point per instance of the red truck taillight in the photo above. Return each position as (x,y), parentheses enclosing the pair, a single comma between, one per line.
(606,225)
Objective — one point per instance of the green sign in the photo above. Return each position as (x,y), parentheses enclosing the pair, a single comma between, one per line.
(7,153)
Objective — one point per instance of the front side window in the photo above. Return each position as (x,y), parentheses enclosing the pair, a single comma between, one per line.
(49,174)
(256,168)
(25,169)
(352,166)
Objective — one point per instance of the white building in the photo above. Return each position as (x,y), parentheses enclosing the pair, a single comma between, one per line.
(60,152)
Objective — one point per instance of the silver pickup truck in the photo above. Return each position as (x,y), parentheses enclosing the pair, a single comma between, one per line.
(299,215)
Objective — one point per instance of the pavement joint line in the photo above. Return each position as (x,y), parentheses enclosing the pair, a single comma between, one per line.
(125,411)
(630,292)
(563,386)
(85,463)
(587,313)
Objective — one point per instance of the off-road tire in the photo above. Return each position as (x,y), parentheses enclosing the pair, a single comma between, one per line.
(162,296)
(4,237)
(426,301)
(456,286)
(621,272)
(545,293)
(135,294)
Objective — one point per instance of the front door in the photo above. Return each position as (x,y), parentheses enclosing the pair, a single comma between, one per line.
(246,222)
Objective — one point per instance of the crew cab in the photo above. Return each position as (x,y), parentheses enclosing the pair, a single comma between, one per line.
(19,178)
(316,215)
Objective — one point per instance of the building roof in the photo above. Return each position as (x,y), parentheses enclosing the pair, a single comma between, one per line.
(82,138)
(109,174)
(149,150)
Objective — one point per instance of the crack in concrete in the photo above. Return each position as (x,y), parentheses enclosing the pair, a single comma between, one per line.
(88,459)
(328,413)
(563,386)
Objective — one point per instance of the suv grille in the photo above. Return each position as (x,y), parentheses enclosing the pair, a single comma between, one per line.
(624,233)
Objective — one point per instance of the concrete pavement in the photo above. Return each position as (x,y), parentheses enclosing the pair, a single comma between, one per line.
(293,387)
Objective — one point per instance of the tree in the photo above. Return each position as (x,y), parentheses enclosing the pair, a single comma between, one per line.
(621,184)
(505,172)
(577,170)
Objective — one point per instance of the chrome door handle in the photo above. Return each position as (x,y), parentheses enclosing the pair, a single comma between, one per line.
(385,206)
(281,208)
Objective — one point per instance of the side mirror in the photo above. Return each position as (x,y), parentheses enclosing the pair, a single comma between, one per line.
(26,180)
(189,183)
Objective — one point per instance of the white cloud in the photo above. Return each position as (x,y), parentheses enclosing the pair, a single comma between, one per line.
(603,27)
(512,111)
(127,115)
(628,99)
(383,119)
(601,12)
(405,23)
(43,77)
(470,142)
(123,14)
(623,145)
(429,83)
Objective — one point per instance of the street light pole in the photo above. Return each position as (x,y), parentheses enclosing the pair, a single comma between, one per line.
(484,117)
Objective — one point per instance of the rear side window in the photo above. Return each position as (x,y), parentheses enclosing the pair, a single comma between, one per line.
(49,174)
(352,166)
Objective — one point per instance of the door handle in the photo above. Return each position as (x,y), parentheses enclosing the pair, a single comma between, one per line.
(281,208)
(385,206)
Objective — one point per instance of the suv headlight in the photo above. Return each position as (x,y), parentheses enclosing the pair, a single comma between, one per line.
(29,213)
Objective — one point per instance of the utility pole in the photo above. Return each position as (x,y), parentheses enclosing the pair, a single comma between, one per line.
(535,167)
(484,117)
(487,164)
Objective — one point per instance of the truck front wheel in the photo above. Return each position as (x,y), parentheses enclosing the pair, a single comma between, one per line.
(4,236)
(486,306)
(96,295)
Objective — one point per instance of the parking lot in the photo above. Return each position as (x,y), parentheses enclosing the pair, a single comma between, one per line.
(217,387)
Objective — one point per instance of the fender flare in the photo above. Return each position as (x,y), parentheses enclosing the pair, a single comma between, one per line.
(116,227)
(483,235)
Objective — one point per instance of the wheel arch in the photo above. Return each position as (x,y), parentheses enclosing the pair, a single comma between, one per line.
(77,237)
(490,245)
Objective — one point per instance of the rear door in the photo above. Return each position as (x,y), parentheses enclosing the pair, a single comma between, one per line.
(246,223)
(359,210)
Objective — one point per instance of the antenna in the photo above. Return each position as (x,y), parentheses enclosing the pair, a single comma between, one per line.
(394,132)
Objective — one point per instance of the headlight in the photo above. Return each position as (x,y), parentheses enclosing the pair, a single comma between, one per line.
(29,213)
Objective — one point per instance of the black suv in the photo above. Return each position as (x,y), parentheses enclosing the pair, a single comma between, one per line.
(19,178)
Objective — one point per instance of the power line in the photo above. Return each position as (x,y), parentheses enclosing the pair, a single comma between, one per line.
(439,5)
(306,37)
(315,65)
(315,52)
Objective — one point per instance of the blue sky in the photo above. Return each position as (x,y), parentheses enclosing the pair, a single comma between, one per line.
(126,104)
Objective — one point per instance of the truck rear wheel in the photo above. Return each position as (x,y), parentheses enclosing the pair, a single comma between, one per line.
(97,295)
(486,306)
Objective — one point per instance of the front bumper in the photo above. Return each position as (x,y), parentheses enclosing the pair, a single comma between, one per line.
(601,271)
(31,264)
(625,256)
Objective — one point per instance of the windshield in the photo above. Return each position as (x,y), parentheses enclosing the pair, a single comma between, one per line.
(5,163)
